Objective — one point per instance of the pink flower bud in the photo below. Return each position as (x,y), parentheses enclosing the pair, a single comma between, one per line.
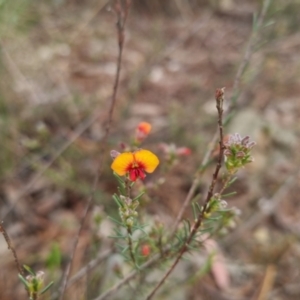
(240,154)
(145,250)
(183,151)
(114,154)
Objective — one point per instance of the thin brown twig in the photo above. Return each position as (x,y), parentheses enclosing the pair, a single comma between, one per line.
(13,251)
(201,216)
(236,85)
(249,52)
(122,13)
(195,183)
(130,244)
(128,227)
(11,248)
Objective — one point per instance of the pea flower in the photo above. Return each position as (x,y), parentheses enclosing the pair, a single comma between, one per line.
(135,164)
(142,131)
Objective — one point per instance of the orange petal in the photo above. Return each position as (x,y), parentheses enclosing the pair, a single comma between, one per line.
(144,127)
(147,159)
(122,162)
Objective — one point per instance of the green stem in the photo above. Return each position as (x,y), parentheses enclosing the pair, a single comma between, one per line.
(130,244)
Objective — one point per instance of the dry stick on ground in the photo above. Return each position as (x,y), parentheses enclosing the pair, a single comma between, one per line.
(12,249)
(201,216)
(236,87)
(268,282)
(122,13)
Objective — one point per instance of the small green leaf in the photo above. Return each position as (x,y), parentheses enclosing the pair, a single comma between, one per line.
(217,218)
(207,229)
(29,270)
(194,211)
(139,196)
(117,200)
(125,249)
(228,194)
(119,178)
(269,23)
(179,238)
(140,228)
(116,236)
(24,281)
(193,248)
(232,181)
(116,221)
(45,289)
(54,257)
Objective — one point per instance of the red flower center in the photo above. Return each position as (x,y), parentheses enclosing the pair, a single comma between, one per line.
(136,173)
(136,170)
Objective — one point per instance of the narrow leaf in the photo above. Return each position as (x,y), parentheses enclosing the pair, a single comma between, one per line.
(228,194)
(45,289)
(24,281)
(139,196)
(28,269)
(117,200)
(232,181)
(194,211)
(116,221)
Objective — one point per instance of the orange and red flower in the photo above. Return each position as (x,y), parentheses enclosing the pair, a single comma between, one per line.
(142,131)
(135,164)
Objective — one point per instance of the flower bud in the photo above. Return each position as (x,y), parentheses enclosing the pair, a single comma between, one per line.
(227,152)
(145,250)
(245,140)
(114,154)
(223,204)
(240,154)
(182,151)
(129,222)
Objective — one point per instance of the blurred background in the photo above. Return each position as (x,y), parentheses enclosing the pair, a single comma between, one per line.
(57,67)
